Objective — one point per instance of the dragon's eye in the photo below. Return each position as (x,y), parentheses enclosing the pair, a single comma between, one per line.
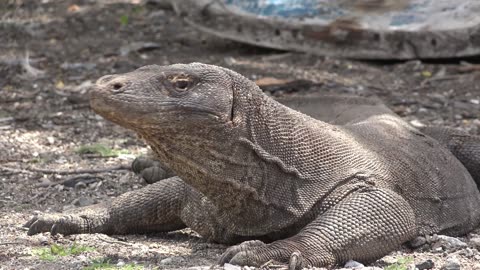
(181,85)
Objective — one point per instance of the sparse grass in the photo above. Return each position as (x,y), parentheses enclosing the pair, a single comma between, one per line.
(401,264)
(100,149)
(105,264)
(36,160)
(124,20)
(54,251)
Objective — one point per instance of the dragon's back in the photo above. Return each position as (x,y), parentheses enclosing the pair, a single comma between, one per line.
(435,183)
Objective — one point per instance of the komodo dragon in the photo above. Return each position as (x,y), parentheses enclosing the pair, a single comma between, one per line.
(250,168)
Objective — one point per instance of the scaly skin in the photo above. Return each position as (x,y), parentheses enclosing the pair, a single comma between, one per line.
(248,167)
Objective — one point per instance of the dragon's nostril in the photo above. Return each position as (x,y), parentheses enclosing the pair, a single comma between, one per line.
(117,86)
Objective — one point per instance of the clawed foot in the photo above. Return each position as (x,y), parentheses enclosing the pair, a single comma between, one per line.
(56,223)
(150,169)
(256,253)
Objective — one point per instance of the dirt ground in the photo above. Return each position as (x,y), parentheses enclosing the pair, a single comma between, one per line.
(52,51)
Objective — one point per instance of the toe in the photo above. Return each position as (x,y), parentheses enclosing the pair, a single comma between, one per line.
(39,225)
(233,250)
(296,261)
(245,258)
(141,163)
(153,174)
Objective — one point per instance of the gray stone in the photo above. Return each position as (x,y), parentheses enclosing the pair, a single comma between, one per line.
(475,242)
(83,201)
(418,242)
(228,266)
(172,260)
(428,264)
(451,264)
(354,264)
(448,243)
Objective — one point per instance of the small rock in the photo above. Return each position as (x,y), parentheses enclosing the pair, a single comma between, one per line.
(138,47)
(448,243)
(171,260)
(475,242)
(468,252)
(120,263)
(428,264)
(166,261)
(73,66)
(353,264)
(418,242)
(476,266)
(82,201)
(451,264)
(157,14)
(228,266)
(82,258)
(416,123)
(50,140)
(60,187)
(43,240)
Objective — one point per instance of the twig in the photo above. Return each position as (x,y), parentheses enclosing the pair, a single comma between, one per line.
(10,243)
(468,67)
(113,241)
(98,156)
(73,180)
(443,78)
(12,170)
(85,171)
(7,119)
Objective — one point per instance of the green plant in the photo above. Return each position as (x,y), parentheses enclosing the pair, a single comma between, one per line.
(124,20)
(54,251)
(401,264)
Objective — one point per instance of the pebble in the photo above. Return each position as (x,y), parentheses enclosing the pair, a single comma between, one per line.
(82,201)
(228,266)
(448,243)
(353,264)
(418,242)
(43,240)
(428,264)
(451,264)
(416,123)
(82,258)
(468,252)
(171,260)
(475,242)
(166,261)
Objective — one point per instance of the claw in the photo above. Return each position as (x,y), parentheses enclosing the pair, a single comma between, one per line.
(234,250)
(141,163)
(33,228)
(54,229)
(153,174)
(30,222)
(55,224)
(40,224)
(296,261)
